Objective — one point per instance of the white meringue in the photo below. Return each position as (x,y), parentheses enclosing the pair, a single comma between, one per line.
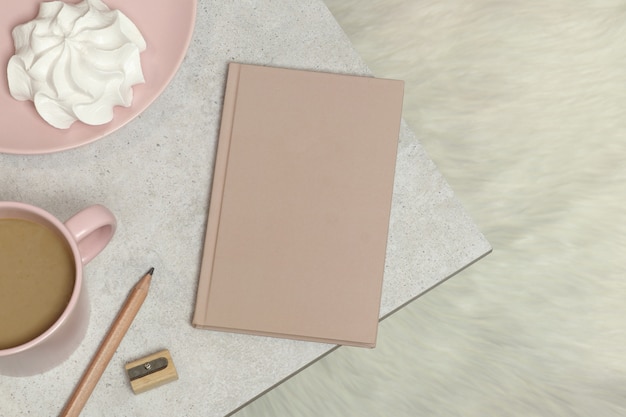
(76,62)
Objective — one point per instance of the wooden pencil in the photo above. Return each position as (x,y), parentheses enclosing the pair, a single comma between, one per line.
(108,346)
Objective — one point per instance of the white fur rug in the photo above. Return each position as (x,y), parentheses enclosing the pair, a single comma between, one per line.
(522,105)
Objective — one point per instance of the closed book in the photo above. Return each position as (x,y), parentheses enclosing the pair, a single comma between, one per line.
(298,219)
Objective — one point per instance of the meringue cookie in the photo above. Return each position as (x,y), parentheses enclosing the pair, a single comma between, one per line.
(76,62)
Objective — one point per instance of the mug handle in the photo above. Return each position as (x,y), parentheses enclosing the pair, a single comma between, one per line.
(92,228)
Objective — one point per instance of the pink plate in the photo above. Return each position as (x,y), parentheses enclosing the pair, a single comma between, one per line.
(166,25)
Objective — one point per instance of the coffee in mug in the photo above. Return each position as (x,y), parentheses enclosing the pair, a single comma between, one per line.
(44,309)
(36,279)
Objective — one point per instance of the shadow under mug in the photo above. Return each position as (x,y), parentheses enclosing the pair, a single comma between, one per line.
(86,234)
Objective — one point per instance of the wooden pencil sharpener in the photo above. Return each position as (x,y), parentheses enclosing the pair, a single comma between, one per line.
(151,371)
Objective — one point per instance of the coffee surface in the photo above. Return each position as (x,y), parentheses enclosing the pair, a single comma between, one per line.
(36,280)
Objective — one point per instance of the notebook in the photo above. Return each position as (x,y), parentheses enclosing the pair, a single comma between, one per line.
(299,212)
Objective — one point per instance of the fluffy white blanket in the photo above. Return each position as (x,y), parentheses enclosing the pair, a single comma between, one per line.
(522,106)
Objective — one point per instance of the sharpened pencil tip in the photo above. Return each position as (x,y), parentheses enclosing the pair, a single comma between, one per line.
(151,271)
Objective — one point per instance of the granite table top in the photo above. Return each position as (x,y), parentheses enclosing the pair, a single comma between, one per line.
(155,174)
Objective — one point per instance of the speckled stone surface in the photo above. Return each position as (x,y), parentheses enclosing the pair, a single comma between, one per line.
(155,175)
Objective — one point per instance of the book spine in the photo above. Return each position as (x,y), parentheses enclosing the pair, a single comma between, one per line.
(217,192)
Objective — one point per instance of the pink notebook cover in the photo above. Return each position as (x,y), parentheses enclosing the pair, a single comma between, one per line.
(299,213)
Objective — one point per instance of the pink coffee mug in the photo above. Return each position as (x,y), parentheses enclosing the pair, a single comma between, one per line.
(86,233)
